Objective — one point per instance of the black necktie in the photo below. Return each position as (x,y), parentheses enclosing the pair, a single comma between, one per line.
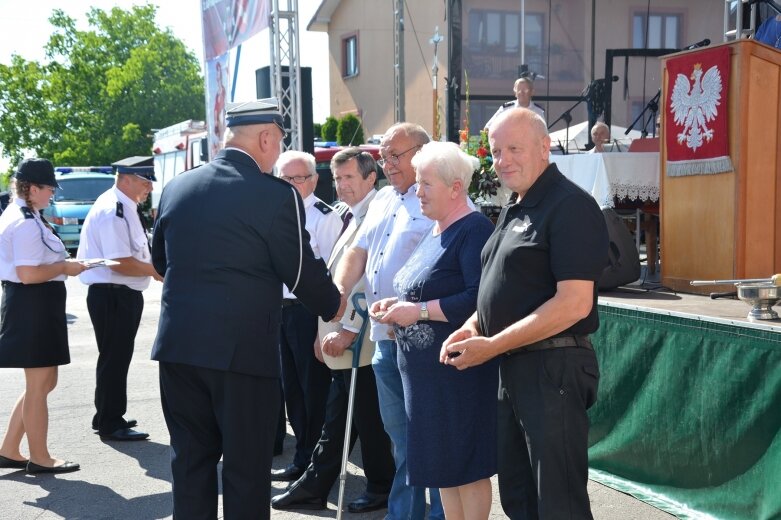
(142,220)
(346,221)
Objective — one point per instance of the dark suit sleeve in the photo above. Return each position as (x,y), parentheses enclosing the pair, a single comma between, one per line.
(293,260)
(159,260)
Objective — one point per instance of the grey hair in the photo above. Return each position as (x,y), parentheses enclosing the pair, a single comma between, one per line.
(448,160)
(364,160)
(295,155)
(412,130)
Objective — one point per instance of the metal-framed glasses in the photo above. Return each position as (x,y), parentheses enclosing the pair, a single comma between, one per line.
(394,158)
(299,179)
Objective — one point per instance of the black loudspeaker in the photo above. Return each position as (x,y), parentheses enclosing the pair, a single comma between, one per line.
(623,259)
(263,89)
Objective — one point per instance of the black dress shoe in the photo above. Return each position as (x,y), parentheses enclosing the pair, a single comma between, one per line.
(5,462)
(65,467)
(297,498)
(124,434)
(368,502)
(291,472)
(129,423)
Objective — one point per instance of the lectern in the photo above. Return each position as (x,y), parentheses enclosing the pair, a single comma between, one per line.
(728,225)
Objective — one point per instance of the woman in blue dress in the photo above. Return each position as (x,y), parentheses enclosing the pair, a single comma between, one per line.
(451,414)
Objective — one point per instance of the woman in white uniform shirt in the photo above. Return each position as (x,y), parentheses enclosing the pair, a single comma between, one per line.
(33,330)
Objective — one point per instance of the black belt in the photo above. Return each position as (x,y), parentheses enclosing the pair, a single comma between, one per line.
(555,342)
(112,286)
(287,302)
(8,282)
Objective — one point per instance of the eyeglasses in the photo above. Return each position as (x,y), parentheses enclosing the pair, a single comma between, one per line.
(394,158)
(46,187)
(300,179)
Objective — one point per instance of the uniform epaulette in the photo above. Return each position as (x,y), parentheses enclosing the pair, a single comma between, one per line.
(324,208)
(120,211)
(27,212)
(508,104)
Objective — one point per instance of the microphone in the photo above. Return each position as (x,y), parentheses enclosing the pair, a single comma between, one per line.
(703,43)
(614,79)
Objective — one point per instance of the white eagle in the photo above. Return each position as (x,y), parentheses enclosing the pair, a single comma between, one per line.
(698,106)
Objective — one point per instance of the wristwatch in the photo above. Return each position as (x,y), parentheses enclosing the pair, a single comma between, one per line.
(423,310)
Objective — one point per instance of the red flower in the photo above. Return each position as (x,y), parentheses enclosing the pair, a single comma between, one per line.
(462,136)
(482,152)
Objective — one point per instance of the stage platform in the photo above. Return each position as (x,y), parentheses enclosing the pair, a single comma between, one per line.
(688,417)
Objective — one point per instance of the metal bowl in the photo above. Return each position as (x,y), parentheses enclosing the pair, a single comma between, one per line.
(761,296)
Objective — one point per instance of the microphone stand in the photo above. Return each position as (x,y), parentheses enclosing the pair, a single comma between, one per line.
(567,118)
(653,106)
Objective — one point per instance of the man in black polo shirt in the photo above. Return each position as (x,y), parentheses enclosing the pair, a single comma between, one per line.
(535,308)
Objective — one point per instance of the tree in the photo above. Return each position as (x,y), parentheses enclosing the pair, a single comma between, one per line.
(317,129)
(350,131)
(328,131)
(101,91)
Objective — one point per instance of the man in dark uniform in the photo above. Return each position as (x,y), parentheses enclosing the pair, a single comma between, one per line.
(536,305)
(227,237)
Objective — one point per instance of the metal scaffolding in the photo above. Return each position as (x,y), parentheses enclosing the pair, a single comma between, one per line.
(286,67)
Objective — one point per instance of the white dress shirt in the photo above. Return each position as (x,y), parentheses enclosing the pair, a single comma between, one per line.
(393,227)
(26,242)
(323,229)
(107,234)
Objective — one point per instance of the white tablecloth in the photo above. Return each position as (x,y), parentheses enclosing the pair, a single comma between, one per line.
(633,176)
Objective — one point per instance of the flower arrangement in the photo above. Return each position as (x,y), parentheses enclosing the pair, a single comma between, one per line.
(485,183)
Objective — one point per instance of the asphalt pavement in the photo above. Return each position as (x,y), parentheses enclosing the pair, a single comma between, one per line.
(132,480)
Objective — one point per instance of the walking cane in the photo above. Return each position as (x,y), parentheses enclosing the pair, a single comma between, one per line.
(356,349)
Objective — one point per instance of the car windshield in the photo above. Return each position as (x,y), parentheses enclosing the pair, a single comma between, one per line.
(85,189)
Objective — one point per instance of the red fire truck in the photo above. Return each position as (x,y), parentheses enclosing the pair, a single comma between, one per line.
(176,149)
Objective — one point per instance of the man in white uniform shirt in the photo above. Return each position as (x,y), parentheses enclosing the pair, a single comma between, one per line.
(523,88)
(113,231)
(392,229)
(305,379)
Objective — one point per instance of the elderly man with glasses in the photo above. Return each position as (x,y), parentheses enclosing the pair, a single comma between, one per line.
(305,379)
(393,228)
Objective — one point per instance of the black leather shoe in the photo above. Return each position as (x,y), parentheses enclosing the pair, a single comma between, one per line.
(65,467)
(297,498)
(124,434)
(368,502)
(291,472)
(5,462)
(130,423)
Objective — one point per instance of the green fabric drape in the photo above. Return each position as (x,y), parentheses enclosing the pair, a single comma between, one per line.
(689,414)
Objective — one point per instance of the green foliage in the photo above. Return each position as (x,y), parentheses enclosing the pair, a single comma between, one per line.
(317,128)
(101,91)
(350,131)
(328,130)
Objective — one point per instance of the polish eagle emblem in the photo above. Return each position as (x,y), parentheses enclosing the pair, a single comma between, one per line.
(694,105)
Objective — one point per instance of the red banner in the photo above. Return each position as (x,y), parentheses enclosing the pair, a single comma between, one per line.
(696,130)
(227,23)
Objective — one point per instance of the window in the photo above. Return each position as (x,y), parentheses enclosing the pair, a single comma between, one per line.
(500,31)
(350,55)
(664,30)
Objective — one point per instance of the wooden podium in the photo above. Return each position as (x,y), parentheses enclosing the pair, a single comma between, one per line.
(728,225)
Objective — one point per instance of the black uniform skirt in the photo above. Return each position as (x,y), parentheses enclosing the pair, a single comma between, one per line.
(33,330)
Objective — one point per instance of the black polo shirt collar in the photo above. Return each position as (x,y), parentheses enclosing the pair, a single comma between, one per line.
(544,183)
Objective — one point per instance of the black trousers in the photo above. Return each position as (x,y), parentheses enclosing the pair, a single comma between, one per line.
(115,312)
(326,463)
(305,380)
(543,432)
(212,414)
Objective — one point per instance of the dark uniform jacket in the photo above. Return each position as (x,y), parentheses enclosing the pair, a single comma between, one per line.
(227,238)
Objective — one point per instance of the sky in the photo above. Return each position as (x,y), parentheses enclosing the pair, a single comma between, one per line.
(26,30)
